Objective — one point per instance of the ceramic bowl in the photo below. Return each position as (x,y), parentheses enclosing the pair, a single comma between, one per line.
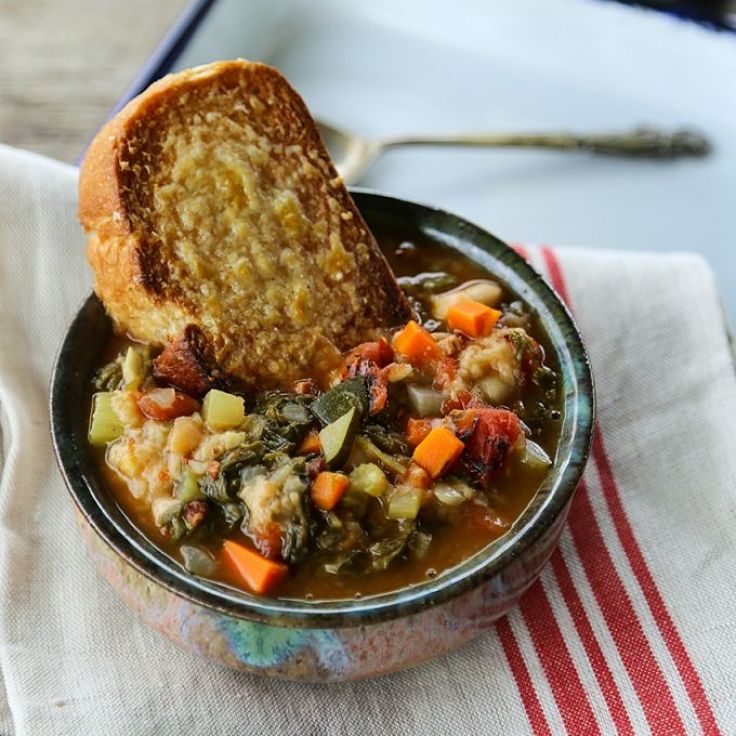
(335,640)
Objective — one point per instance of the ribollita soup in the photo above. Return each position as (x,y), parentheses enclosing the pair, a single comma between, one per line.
(389,467)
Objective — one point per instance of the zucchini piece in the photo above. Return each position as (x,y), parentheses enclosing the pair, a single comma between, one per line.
(369,478)
(105,425)
(221,410)
(335,403)
(336,439)
(405,503)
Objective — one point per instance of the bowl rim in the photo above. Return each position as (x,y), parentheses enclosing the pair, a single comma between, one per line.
(550,501)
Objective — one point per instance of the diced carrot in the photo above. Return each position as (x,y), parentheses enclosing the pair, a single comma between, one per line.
(416,344)
(328,488)
(417,430)
(261,575)
(472,318)
(438,451)
(310,443)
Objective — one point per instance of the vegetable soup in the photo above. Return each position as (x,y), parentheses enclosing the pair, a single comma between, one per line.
(415,452)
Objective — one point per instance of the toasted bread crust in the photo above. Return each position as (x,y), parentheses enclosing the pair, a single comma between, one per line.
(150,290)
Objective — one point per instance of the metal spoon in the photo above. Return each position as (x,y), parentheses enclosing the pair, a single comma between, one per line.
(354,155)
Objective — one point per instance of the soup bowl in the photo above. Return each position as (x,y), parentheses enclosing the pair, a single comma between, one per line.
(343,639)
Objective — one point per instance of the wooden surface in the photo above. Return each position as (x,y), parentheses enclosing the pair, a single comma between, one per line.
(64,63)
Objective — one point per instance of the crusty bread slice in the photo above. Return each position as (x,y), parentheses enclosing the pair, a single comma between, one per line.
(218,224)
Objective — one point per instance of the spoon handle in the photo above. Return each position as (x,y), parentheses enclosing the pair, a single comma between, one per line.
(641,142)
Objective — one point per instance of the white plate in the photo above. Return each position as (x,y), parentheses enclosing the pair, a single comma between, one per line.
(431,66)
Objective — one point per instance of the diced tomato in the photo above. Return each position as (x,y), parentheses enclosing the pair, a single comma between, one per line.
(489,434)
(377,390)
(165,404)
(268,541)
(445,373)
(377,353)
(417,430)
(463,400)
(305,386)
(369,359)
(315,466)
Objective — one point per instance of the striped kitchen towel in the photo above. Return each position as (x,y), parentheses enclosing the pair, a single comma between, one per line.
(630,629)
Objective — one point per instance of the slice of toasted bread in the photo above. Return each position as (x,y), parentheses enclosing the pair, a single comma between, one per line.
(215,217)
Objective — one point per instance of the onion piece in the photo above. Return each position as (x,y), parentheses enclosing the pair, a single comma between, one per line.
(535,456)
(453,492)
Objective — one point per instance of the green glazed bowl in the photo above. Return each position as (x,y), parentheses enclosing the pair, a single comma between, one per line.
(333,640)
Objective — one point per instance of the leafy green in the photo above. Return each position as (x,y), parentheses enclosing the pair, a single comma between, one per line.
(232,512)
(387,440)
(384,552)
(351,393)
(346,562)
(215,488)
(396,465)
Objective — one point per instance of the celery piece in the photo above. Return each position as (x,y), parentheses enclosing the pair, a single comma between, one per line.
(188,487)
(369,478)
(221,410)
(405,503)
(105,425)
(336,439)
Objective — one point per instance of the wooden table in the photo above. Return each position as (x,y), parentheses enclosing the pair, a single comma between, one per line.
(64,63)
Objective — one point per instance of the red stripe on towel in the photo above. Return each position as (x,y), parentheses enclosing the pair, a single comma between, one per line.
(672,639)
(620,617)
(597,659)
(562,675)
(685,667)
(520,672)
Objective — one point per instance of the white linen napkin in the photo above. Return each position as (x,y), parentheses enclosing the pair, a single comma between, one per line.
(631,629)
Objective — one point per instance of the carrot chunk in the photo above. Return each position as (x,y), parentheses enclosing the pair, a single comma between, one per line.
(438,451)
(416,344)
(472,318)
(260,574)
(310,443)
(327,489)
